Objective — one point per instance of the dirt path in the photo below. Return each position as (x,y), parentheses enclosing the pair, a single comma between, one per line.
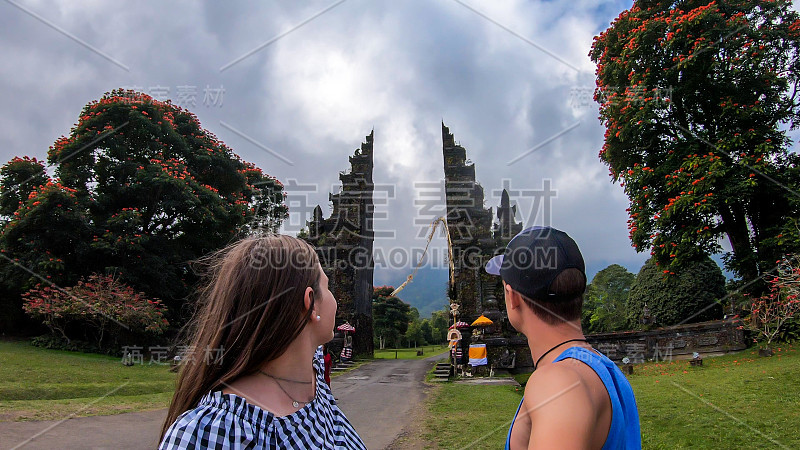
(379,399)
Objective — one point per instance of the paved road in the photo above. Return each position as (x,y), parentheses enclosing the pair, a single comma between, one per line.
(377,397)
(122,431)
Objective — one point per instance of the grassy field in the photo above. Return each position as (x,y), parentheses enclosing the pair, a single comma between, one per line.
(410,353)
(42,384)
(733,401)
(739,400)
(470,416)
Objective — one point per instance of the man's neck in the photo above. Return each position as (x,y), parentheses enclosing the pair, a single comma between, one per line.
(542,338)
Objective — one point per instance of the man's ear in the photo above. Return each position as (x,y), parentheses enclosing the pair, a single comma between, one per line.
(308,298)
(514,299)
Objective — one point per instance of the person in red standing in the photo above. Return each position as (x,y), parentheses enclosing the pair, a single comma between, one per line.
(328,364)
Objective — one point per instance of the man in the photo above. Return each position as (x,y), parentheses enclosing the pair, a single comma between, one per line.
(576,398)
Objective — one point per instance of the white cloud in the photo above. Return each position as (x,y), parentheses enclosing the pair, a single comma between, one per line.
(315,93)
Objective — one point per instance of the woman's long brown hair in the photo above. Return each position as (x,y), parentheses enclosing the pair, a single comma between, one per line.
(250,308)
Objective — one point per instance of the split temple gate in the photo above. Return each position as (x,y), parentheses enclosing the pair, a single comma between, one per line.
(344,243)
(476,238)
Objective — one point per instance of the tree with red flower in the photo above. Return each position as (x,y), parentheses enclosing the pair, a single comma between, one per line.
(139,189)
(770,312)
(101,304)
(696,97)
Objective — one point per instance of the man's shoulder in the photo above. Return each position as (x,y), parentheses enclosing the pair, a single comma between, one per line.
(561,374)
(557,380)
(559,402)
(568,380)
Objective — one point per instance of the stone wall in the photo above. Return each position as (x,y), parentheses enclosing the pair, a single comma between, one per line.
(677,342)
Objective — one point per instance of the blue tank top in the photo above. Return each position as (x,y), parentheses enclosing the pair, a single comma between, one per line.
(624,432)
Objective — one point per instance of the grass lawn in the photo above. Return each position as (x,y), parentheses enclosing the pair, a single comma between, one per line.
(356,365)
(43,384)
(461,415)
(410,353)
(733,401)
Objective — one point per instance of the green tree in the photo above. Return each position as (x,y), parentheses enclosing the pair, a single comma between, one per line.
(413,313)
(391,316)
(140,189)
(440,323)
(415,336)
(605,301)
(695,96)
(427,332)
(692,295)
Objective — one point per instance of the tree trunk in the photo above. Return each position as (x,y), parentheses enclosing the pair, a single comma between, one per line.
(735,226)
(63,334)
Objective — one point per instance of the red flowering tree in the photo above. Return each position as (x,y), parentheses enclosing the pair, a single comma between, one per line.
(47,234)
(770,312)
(18,178)
(101,304)
(140,189)
(695,97)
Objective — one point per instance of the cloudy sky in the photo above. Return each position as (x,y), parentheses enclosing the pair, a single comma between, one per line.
(295,86)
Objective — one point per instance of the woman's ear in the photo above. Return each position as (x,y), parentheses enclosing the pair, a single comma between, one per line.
(308,298)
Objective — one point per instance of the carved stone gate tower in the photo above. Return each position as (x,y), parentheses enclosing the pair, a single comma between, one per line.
(344,244)
(477,238)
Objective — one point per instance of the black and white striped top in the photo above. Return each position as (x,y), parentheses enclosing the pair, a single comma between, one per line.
(227,421)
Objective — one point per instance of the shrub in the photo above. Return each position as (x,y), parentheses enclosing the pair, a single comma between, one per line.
(99,304)
(688,296)
(772,315)
(54,342)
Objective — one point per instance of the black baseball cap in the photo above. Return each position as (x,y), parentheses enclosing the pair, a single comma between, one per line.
(534,258)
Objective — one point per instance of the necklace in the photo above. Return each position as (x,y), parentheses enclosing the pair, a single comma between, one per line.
(295,403)
(536,364)
(285,379)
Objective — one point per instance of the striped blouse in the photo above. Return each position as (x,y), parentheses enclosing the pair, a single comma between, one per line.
(227,421)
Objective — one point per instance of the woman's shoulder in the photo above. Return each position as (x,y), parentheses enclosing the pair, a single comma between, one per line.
(218,419)
(319,361)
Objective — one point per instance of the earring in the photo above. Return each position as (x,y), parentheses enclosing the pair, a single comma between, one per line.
(318,318)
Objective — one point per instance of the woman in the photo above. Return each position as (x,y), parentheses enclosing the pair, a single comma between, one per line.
(267,310)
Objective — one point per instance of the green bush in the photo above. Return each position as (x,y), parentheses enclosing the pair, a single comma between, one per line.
(54,342)
(681,298)
(790,331)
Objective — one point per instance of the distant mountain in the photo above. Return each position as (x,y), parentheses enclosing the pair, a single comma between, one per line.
(427,291)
